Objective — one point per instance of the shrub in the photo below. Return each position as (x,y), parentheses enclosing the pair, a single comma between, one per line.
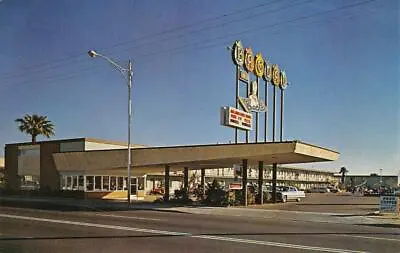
(198,192)
(216,195)
(180,196)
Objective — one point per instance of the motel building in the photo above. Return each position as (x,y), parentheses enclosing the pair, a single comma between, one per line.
(99,168)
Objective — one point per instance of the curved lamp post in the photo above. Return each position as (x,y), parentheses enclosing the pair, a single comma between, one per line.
(127,73)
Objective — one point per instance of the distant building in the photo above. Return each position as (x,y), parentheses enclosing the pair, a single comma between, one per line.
(301,178)
(370,181)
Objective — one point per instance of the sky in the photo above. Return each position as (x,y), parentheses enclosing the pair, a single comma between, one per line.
(341,59)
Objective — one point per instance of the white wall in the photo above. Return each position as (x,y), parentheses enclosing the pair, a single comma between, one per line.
(101,146)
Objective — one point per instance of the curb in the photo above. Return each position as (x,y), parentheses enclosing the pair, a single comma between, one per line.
(87,204)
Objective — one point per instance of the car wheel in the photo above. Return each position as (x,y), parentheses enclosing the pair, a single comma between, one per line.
(298,199)
(284,199)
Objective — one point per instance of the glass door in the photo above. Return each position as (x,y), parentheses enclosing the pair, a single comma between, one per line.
(133,185)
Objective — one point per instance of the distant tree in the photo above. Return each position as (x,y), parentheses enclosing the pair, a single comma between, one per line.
(35,125)
(343,171)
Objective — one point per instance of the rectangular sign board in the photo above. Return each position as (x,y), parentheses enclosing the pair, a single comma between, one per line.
(389,204)
(236,118)
(235,186)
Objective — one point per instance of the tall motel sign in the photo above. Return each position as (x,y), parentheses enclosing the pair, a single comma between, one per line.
(247,109)
(241,117)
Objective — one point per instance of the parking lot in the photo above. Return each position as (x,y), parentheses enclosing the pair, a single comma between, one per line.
(329,203)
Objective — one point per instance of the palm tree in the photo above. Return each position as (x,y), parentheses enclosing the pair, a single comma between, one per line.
(35,125)
(343,171)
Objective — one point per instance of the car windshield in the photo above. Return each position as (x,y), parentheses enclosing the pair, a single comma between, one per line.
(283,188)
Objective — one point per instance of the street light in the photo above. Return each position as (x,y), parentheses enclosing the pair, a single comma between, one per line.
(127,73)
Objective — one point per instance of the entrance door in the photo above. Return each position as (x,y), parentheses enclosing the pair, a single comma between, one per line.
(133,186)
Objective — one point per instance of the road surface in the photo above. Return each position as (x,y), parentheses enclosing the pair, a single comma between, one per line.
(33,230)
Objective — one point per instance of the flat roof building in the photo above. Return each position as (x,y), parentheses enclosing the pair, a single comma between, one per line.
(99,167)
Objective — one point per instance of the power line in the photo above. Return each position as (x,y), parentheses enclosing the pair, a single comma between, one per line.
(197,31)
(295,20)
(302,18)
(54,77)
(183,27)
(66,59)
(194,31)
(215,26)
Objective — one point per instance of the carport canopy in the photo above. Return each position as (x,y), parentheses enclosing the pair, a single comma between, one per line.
(154,159)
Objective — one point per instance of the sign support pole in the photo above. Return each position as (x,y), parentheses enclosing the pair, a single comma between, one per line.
(248,93)
(274,115)
(266,113)
(281,124)
(257,115)
(236,100)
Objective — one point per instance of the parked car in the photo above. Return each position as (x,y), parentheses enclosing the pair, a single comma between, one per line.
(287,193)
(334,189)
(320,190)
(371,192)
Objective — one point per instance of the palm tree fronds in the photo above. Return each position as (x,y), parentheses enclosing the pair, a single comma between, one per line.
(35,125)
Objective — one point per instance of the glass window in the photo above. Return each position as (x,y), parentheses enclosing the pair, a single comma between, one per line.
(113,183)
(125,183)
(106,183)
(141,183)
(62,182)
(120,182)
(69,182)
(89,183)
(81,182)
(133,189)
(75,182)
(97,183)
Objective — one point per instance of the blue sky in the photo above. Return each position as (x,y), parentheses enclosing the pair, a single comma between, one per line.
(341,58)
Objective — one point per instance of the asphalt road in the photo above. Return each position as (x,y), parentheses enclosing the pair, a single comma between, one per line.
(33,230)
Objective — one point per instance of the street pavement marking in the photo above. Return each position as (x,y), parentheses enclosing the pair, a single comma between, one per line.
(143,230)
(128,217)
(163,232)
(276,244)
(370,237)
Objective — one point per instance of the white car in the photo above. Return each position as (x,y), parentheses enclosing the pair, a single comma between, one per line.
(291,193)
